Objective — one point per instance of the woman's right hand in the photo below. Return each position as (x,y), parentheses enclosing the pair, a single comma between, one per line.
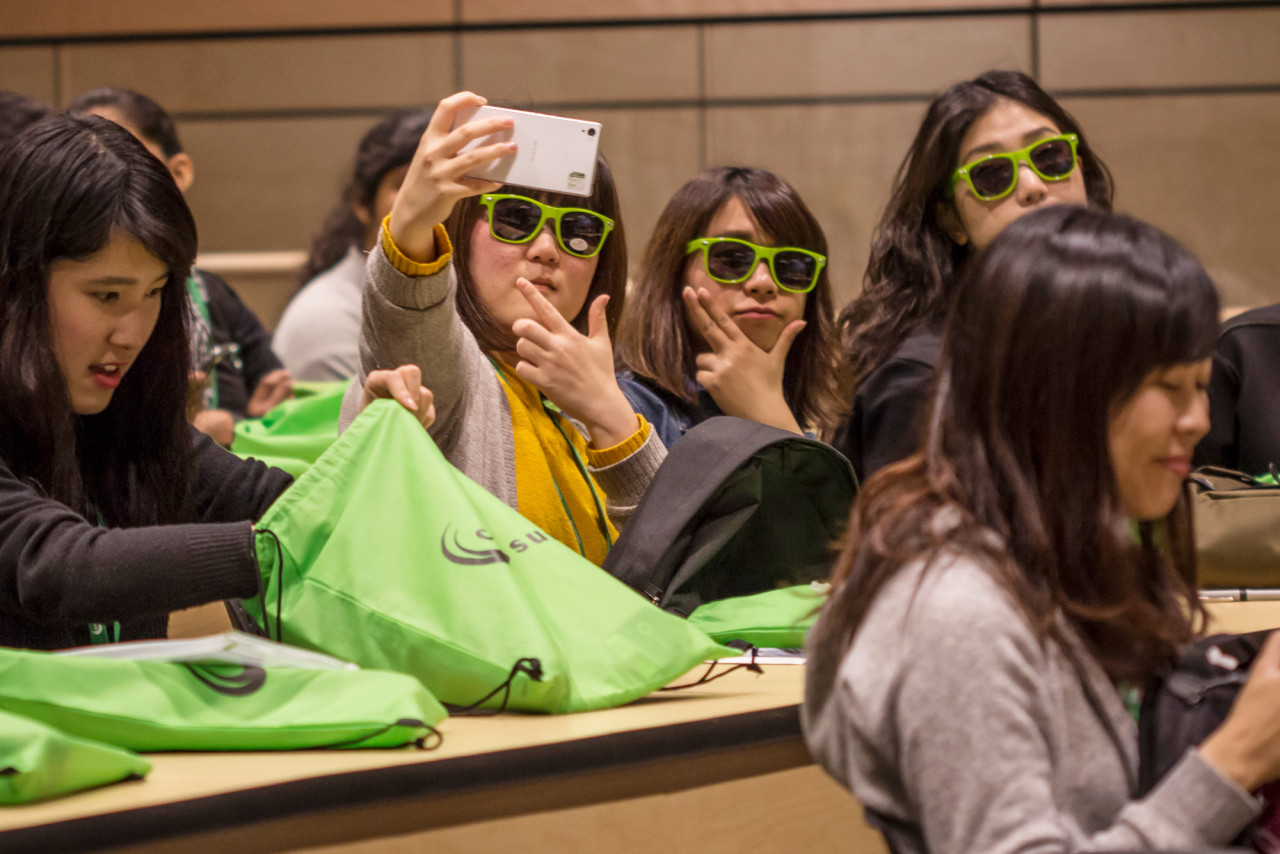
(435,182)
(1246,747)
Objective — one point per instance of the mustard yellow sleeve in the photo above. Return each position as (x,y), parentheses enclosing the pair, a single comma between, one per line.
(410,267)
(605,457)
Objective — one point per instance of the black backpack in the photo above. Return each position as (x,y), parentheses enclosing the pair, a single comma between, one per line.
(1180,710)
(737,508)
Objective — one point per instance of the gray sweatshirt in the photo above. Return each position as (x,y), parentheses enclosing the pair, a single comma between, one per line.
(414,320)
(961,732)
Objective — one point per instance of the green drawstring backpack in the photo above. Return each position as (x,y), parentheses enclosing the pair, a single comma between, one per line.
(151,705)
(384,554)
(294,434)
(39,762)
(777,618)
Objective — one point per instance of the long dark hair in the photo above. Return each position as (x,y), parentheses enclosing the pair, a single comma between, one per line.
(1055,326)
(611,272)
(386,146)
(655,339)
(151,120)
(68,183)
(914,262)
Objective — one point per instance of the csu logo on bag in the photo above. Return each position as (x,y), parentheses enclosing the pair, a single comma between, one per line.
(485,552)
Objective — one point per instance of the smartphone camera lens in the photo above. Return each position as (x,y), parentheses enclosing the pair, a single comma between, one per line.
(591,131)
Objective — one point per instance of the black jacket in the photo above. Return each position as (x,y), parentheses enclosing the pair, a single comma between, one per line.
(59,572)
(1244,394)
(888,408)
(232,321)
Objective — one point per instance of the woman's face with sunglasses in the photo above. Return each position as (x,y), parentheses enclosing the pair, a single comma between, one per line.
(759,307)
(516,237)
(1047,172)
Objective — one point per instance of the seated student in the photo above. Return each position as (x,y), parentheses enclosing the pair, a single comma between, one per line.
(113,510)
(506,298)
(16,112)
(988,151)
(1244,395)
(1002,589)
(318,336)
(732,312)
(232,349)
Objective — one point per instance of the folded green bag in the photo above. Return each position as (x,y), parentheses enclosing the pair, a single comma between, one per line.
(777,618)
(392,558)
(163,705)
(38,762)
(294,434)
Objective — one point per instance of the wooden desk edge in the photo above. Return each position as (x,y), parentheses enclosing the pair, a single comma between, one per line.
(659,759)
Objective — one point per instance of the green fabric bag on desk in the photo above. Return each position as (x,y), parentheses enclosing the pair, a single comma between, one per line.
(392,558)
(39,762)
(776,618)
(165,705)
(294,434)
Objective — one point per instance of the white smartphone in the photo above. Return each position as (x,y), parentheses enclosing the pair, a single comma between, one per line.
(552,152)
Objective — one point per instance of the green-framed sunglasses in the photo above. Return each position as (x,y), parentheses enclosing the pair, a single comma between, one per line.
(518,219)
(994,176)
(730,261)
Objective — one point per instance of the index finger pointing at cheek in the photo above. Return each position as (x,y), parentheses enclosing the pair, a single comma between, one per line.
(547,313)
(702,321)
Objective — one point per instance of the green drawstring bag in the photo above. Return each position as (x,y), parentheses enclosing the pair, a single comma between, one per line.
(39,762)
(777,618)
(167,705)
(384,554)
(294,434)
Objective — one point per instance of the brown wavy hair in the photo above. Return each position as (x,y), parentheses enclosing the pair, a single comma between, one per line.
(610,277)
(655,340)
(1055,325)
(914,262)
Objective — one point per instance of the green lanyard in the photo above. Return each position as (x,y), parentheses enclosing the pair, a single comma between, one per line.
(99,632)
(551,411)
(200,301)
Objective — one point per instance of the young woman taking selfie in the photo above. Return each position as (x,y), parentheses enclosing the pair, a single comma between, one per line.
(506,299)
(1003,591)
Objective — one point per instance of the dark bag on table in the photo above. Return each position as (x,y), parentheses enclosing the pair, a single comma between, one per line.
(1182,709)
(1237,523)
(737,508)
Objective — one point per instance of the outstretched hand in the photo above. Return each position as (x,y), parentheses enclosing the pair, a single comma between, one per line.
(404,385)
(435,182)
(744,380)
(573,370)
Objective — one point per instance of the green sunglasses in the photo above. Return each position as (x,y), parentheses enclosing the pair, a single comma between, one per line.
(518,219)
(994,176)
(731,261)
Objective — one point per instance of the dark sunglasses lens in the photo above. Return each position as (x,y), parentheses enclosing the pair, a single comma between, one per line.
(581,232)
(992,177)
(515,219)
(795,270)
(728,262)
(1054,158)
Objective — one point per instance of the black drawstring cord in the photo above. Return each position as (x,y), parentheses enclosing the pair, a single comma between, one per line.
(420,743)
(262,592)
(707,677)
(530,667)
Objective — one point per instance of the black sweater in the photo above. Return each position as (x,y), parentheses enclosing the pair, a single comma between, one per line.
(59,572)
(1244,394)
(889,406)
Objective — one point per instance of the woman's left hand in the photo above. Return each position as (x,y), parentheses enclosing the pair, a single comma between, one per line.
(573,370)
(744,380)
(403,385)
(273,388)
